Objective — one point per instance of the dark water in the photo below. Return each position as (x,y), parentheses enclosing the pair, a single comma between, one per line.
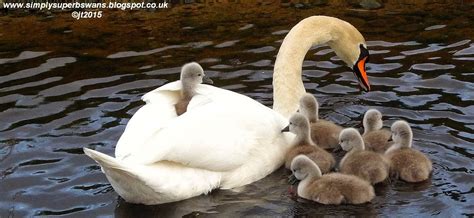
(53,103)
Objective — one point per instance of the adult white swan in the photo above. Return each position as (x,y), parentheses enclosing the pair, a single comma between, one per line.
(225,139)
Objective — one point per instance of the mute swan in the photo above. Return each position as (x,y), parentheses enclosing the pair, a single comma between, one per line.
(323,132)
(303,144)
(368,165)
(192,74)
(407,163)
(225,139)
(332,188)
(375,138)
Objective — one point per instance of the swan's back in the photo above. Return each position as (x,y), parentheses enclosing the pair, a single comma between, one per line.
(220,131)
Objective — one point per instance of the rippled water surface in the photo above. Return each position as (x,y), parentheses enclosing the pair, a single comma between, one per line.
(53,103)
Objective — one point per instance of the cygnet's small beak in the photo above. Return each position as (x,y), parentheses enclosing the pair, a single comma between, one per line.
(292,179)
(286,129)
(207,80)
(338,148)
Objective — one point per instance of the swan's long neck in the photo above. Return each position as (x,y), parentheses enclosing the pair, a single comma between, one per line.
(288,86)
(287,82)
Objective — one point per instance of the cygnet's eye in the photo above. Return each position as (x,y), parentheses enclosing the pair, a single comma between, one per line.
(199,74)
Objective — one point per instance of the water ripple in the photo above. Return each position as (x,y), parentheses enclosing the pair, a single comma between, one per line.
(432,66)
(23,56)
(49,65)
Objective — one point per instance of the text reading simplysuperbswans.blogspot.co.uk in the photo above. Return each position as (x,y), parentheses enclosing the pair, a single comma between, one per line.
(79,8)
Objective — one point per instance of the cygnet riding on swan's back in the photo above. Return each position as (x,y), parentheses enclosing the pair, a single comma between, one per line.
(323,132)
(225,139)
(375,138)
(192,75)
(302,144)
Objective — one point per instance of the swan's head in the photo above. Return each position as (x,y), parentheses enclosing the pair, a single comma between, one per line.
(192,74)
(350,138)
(350,46)
(359,67)
(299,125)
(309,107)
(402,134)
(302,167)
(372,120)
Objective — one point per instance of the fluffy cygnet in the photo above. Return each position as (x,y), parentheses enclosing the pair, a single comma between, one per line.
(407,163)
(192,75)
(375,138)
(332,188)
(303,144)
(368,165)
(324,133)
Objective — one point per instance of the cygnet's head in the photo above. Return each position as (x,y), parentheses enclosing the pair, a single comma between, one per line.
(372,120)
(309,107)
(192,74)
(299,125)
(402,134)
(350,138)
(302,167)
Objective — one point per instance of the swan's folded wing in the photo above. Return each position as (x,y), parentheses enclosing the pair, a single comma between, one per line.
(151,117)
(220,132)
(158,111)
(166,94)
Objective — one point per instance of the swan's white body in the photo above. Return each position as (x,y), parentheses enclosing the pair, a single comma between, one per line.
(224,140)
(163,158)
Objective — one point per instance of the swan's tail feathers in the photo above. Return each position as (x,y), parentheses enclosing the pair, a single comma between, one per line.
(124,181)
(158,183)
(104,160)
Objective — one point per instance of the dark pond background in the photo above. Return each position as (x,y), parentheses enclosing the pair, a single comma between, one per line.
(66,84)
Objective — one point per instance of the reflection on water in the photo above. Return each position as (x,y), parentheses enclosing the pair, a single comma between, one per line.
(53,103)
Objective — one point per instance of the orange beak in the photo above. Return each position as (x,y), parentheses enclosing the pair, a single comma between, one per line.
(361,74)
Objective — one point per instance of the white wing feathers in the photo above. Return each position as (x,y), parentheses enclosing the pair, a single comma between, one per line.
(217,133)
